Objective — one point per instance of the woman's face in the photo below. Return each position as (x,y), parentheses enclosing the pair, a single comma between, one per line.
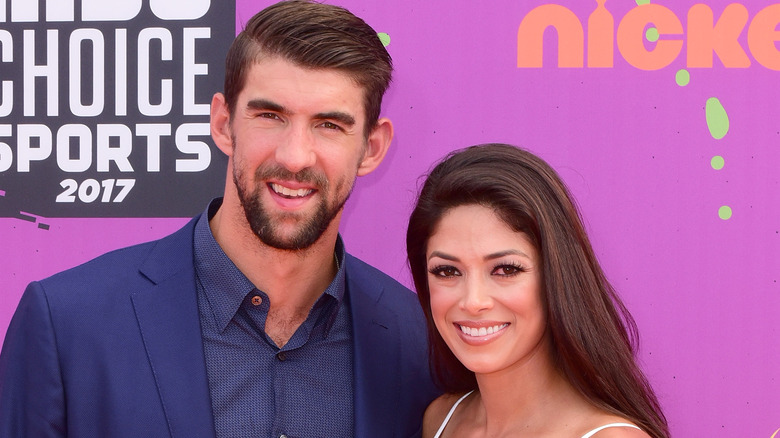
(485,286)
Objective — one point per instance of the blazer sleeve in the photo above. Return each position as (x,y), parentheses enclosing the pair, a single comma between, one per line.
(32,402)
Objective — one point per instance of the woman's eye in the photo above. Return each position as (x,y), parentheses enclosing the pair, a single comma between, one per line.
(444,271)
(507,270)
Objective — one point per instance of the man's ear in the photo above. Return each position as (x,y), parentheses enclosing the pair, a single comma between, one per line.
(377,146)
(220,124)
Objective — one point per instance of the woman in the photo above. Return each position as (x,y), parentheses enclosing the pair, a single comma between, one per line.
(527,336)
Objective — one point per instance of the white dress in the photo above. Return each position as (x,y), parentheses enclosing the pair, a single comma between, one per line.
(587,435)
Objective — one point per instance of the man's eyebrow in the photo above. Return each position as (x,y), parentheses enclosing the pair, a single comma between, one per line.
(342,117)
(264,105)
(345,119)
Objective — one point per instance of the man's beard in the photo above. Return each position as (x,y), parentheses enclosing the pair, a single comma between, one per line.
(310,230)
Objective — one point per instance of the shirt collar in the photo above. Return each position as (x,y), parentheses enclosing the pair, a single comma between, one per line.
(226,286)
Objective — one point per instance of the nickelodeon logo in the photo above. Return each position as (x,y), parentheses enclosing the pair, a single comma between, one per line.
(25,11)
(704,39)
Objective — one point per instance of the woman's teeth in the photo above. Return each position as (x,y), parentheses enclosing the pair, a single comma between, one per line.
(481,331)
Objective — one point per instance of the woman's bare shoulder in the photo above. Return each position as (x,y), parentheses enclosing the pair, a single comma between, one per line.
(436,412)
(621,432)
(619,427)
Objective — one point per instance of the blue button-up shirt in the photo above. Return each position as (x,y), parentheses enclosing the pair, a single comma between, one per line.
(303,389)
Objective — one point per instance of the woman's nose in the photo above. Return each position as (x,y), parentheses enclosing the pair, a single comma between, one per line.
(476,297)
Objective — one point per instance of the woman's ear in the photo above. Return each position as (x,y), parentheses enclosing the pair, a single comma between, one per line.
(377,146)
(220,124)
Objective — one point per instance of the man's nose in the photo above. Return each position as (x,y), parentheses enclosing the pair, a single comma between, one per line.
(296,151)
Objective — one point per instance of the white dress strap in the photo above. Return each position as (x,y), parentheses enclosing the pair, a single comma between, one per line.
(593,432)
(449,414)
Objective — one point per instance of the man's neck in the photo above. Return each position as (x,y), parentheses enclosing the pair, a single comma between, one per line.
(293,280)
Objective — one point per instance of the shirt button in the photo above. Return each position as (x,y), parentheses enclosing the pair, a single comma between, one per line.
(257,300)
(281,356)
(282,436)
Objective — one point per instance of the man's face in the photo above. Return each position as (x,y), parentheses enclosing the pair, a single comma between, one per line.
(297,146)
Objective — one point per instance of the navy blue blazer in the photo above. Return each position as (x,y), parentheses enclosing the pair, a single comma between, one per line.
(113,348)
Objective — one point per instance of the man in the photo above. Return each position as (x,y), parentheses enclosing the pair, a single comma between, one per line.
(252,320)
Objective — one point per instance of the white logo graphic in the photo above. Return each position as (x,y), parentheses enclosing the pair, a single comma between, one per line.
(28,11)
(179,9)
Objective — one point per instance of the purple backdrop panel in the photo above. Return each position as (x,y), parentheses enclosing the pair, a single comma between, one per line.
(674,165)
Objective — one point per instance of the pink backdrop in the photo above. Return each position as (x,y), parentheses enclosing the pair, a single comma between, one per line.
(634,147)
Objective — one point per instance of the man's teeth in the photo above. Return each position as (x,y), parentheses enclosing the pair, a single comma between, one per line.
(481,331)
(282,190)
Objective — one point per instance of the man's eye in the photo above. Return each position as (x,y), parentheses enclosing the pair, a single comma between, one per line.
(330,125)
(271,116)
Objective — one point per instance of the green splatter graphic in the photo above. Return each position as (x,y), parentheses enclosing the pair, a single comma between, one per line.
(682,77)
(642,2)
(724,212)
(385,38)
(652,35)
(717,162)
(717,119)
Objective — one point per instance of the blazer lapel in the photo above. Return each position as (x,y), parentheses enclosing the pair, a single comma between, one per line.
(376,358)
(167,314)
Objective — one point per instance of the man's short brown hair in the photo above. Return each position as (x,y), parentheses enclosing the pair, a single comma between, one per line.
(317,36)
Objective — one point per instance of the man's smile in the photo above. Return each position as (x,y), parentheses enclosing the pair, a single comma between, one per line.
(288,192)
